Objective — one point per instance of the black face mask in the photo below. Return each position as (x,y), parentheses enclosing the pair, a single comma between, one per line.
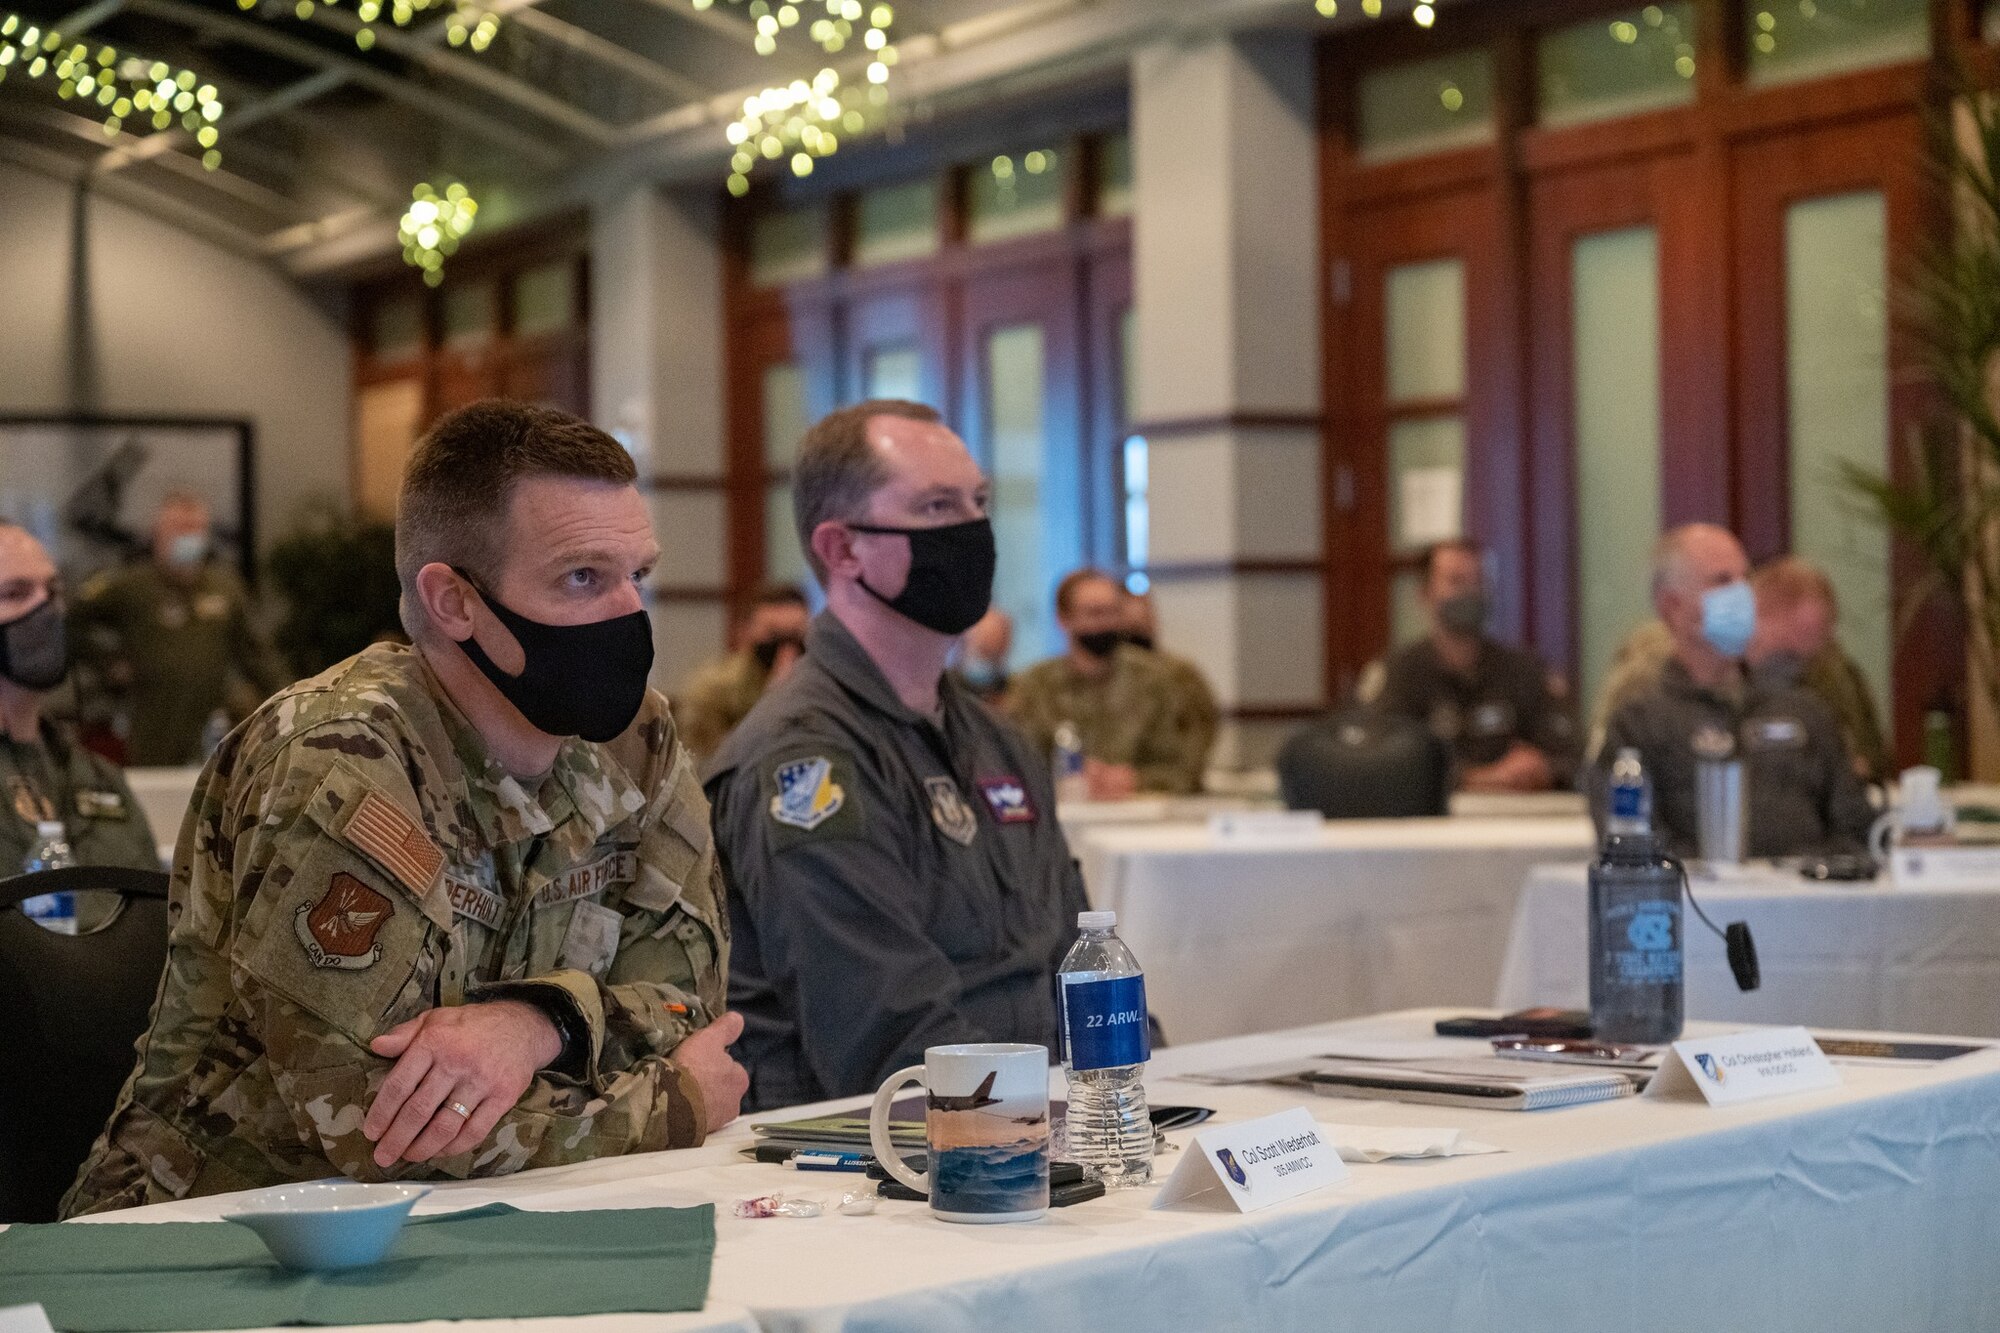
(576,680)
(34,648)
(766,650)
(1464,614)
(1100,643)
(951,575)
(1138,638)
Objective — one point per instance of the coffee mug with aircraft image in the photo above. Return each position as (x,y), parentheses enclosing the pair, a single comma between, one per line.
(986,1123)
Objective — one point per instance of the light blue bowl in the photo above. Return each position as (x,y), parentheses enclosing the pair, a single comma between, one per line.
(327,1225)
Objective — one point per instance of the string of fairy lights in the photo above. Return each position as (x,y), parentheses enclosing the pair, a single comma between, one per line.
(129,93)
(802,121)
(470,24)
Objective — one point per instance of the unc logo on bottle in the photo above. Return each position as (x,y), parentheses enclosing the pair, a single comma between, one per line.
(1651,931)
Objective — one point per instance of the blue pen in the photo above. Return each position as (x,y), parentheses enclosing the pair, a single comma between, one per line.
(810,1160)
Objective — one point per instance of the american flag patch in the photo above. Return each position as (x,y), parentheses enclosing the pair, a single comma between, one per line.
(382,829)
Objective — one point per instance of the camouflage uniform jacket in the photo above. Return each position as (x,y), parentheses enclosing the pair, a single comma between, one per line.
(1134,714)
(188,648)
(1835,678)
(717,698)
(353,858)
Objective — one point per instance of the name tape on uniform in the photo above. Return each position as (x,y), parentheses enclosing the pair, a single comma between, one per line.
(475,900)
(582,882)
(1256,1163)
(1743,1067)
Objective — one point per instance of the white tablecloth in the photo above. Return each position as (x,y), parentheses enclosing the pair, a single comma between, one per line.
(1856,955)
(1866,1207)
(164,794)
(1368,915)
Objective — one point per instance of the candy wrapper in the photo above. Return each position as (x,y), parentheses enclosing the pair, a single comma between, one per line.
(777,1205)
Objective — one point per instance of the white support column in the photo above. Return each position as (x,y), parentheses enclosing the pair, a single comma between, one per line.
(657,383)
(1226,267)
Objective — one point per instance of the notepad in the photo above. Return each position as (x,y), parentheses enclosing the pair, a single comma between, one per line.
(1485,1082)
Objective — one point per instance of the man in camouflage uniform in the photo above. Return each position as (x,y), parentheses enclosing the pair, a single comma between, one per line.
(421,926)
(174,639)
(44,773)
(1200,716)
(1124,702)
(722,693)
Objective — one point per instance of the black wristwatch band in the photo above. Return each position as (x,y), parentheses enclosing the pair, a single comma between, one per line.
(555,1003)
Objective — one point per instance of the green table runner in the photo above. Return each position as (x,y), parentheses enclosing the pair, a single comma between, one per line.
(492,1262)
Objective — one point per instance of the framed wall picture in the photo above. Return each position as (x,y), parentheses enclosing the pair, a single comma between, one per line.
(89,486)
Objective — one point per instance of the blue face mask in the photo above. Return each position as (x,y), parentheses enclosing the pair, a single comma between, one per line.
(1728,617)
(188,549)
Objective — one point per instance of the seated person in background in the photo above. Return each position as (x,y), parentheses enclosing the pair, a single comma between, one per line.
(1802,795)
(720,695)
(1635,671)
(898,878)
(982,657)
(1794,645)
(175,639)
(1200,717)
(45,774)
(448,910)
(1123,701)
(1506,719)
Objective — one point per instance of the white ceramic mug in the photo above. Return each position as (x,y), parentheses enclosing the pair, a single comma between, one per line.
(986,1124)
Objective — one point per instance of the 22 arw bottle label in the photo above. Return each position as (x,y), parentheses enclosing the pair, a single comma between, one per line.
(1105,1023)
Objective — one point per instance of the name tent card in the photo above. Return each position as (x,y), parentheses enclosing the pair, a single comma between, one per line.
(1743,1067)
(1256,1163)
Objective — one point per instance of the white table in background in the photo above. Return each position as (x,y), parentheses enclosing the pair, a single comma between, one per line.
(1851,955)
(1368,915)
(1519,805)
(1866,1207)
(164,794)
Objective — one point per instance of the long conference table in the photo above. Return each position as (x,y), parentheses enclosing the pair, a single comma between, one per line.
(1241,935)
(1866,1207)
(1864,955)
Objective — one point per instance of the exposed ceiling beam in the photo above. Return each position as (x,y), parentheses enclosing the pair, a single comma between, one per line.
(715,18)
(590,45)
(257,33)
(83,20)
(85,130)
(474,73)
(134,195)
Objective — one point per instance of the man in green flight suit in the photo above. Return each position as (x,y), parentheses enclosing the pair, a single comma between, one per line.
(45,774)
(450,910)
(174,639)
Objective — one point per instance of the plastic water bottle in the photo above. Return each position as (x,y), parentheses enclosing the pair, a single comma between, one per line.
(1637,990)
(214,731)
(1105,1048)
(50,851)
(1071,785)
(1631,806)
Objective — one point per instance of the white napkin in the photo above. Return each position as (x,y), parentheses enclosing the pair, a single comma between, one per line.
(1379,1143)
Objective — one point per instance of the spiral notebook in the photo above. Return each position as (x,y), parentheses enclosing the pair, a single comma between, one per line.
(1486,1082)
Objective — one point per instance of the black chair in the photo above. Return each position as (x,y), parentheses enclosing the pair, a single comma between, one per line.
(71,1007)
(1362,763)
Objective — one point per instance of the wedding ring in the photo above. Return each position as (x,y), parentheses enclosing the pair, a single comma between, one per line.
(461,1108)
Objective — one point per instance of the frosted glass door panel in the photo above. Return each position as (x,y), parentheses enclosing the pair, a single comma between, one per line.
(1426,482)
(1425,307)
(1615,322)
(1015,435)
(894,372)
(1837,355)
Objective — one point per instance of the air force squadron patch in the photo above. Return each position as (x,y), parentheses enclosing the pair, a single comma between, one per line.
(807,794)
(949,811)
(1008,799)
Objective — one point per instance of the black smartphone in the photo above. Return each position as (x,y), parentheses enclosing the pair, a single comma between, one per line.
(1544,1021)
(1062,1196)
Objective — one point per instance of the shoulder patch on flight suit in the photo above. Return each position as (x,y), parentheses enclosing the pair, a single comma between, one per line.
(810,796)
(211,606)
(1777,733)
(1493,718)
(339,930)
(807,795)
(386,832)
(29,804)
(1008,799)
